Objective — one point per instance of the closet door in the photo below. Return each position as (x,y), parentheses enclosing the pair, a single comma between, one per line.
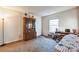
(1,33)
(1,38)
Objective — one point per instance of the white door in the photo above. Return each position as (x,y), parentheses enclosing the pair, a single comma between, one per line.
(1,33)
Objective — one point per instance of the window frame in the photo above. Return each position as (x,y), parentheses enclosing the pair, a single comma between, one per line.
(49,25)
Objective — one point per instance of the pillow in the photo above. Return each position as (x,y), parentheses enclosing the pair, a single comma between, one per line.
(69,40)
(70,37)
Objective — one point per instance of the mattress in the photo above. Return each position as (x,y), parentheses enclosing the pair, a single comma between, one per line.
(69,43)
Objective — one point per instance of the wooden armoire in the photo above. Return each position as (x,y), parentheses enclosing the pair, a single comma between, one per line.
(29,30)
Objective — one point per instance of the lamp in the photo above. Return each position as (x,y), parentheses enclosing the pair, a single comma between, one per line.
(2,15)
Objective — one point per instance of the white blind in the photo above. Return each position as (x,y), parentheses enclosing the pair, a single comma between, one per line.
(53,25)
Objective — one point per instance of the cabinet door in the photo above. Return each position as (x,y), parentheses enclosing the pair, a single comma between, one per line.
(27,24)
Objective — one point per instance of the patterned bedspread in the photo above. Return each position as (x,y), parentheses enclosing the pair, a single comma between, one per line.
(69,43)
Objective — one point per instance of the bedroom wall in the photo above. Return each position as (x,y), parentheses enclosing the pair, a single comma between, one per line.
(0,32)
(38,25)
(13,28)
(67,19)
(78,17)
(12,25)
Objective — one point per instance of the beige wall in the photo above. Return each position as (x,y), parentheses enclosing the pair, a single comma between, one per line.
(13,25)
(13,28)
(0,32)
(67,19)
(38,25)
(78,17)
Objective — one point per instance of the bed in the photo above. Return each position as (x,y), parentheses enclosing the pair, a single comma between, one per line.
(69,43)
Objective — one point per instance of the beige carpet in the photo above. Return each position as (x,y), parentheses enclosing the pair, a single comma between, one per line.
(40,44)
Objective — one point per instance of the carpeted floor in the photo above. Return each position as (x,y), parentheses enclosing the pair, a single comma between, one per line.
(40,44)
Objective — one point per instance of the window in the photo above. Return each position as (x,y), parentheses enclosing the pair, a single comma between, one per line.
(53,25)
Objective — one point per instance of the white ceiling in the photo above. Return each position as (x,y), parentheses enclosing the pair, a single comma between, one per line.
(40,10)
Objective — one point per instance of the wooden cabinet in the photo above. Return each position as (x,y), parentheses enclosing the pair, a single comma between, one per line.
(29,31)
